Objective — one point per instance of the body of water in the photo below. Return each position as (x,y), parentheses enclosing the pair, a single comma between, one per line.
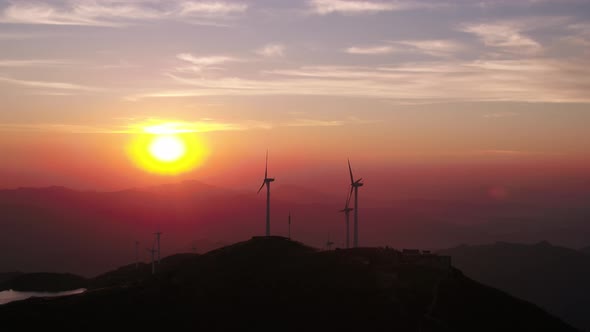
(11,296)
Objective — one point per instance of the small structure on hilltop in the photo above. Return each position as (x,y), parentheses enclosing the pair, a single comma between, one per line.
(425,258)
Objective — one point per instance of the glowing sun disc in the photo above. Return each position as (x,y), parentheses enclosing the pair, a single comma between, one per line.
(167,153)
(167,148)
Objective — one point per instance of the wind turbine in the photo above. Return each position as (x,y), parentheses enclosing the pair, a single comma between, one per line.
(329,243)
(267,182)
(346,211)
(289,225)
(355,187)
(136,254)
(153,252)
(158,234)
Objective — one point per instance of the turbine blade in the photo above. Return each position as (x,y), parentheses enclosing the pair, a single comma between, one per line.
(350,169)
(349,197)
(266,166)
(262,186)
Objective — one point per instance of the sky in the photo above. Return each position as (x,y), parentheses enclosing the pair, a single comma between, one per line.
(397,86)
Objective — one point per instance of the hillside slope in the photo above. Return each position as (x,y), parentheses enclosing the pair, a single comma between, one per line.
(277,284)
(552,277)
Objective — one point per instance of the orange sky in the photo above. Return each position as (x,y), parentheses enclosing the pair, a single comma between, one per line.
(465,84)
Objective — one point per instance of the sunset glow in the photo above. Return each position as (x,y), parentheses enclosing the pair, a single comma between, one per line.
(167,153)
(167,148)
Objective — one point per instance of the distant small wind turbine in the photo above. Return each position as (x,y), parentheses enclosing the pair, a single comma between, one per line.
(267,182)
(329,243)
(355,186)
(289,225)
(158,234)
(153,252)
(346,211)
(136,254)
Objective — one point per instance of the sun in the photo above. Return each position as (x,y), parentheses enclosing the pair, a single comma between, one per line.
(164,150)
(167,148)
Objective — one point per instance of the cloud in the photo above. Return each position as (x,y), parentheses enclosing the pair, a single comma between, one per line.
(499,115)
(211,8)
(54,127)
(424,82)
(300,122)
(159,126)
(579,34)
(315,123)
(147,126)
(33,63)
(48,85)
(438,48)
(272,50)
(507,36)
(120,13)
(206,60)
(198,64)
(351,7)
(373,50)
(324,7)
(21,35)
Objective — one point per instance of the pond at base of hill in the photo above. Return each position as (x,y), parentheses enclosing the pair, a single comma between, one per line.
(11,295)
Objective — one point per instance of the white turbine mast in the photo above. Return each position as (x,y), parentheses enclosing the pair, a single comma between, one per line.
(346,211)
(355,185)
(267,182)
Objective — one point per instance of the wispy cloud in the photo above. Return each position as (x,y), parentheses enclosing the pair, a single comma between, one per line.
(119,13)
(436,48)
(306,122)
(211,8)
(352,7)
(507,36)
(205,60)
(199,63)
(21,35)
(272,50)
(48,85)
(442,81)
(158,126)
(33,63)
(370,50)
(499,115)
(55,127)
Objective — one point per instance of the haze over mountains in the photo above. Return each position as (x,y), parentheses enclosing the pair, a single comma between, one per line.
(553,277)
(56,229)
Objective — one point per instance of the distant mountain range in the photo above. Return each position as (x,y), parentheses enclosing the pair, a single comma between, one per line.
(56,229)
(555,278)
(274,284)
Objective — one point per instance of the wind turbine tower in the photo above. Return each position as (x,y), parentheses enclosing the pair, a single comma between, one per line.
(136,254)
(153,252)
(355,185)
(158,234)
(329,243)
(289,225)
(346,211)
(267,182)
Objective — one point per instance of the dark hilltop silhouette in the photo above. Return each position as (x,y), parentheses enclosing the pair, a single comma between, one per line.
(273,283)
